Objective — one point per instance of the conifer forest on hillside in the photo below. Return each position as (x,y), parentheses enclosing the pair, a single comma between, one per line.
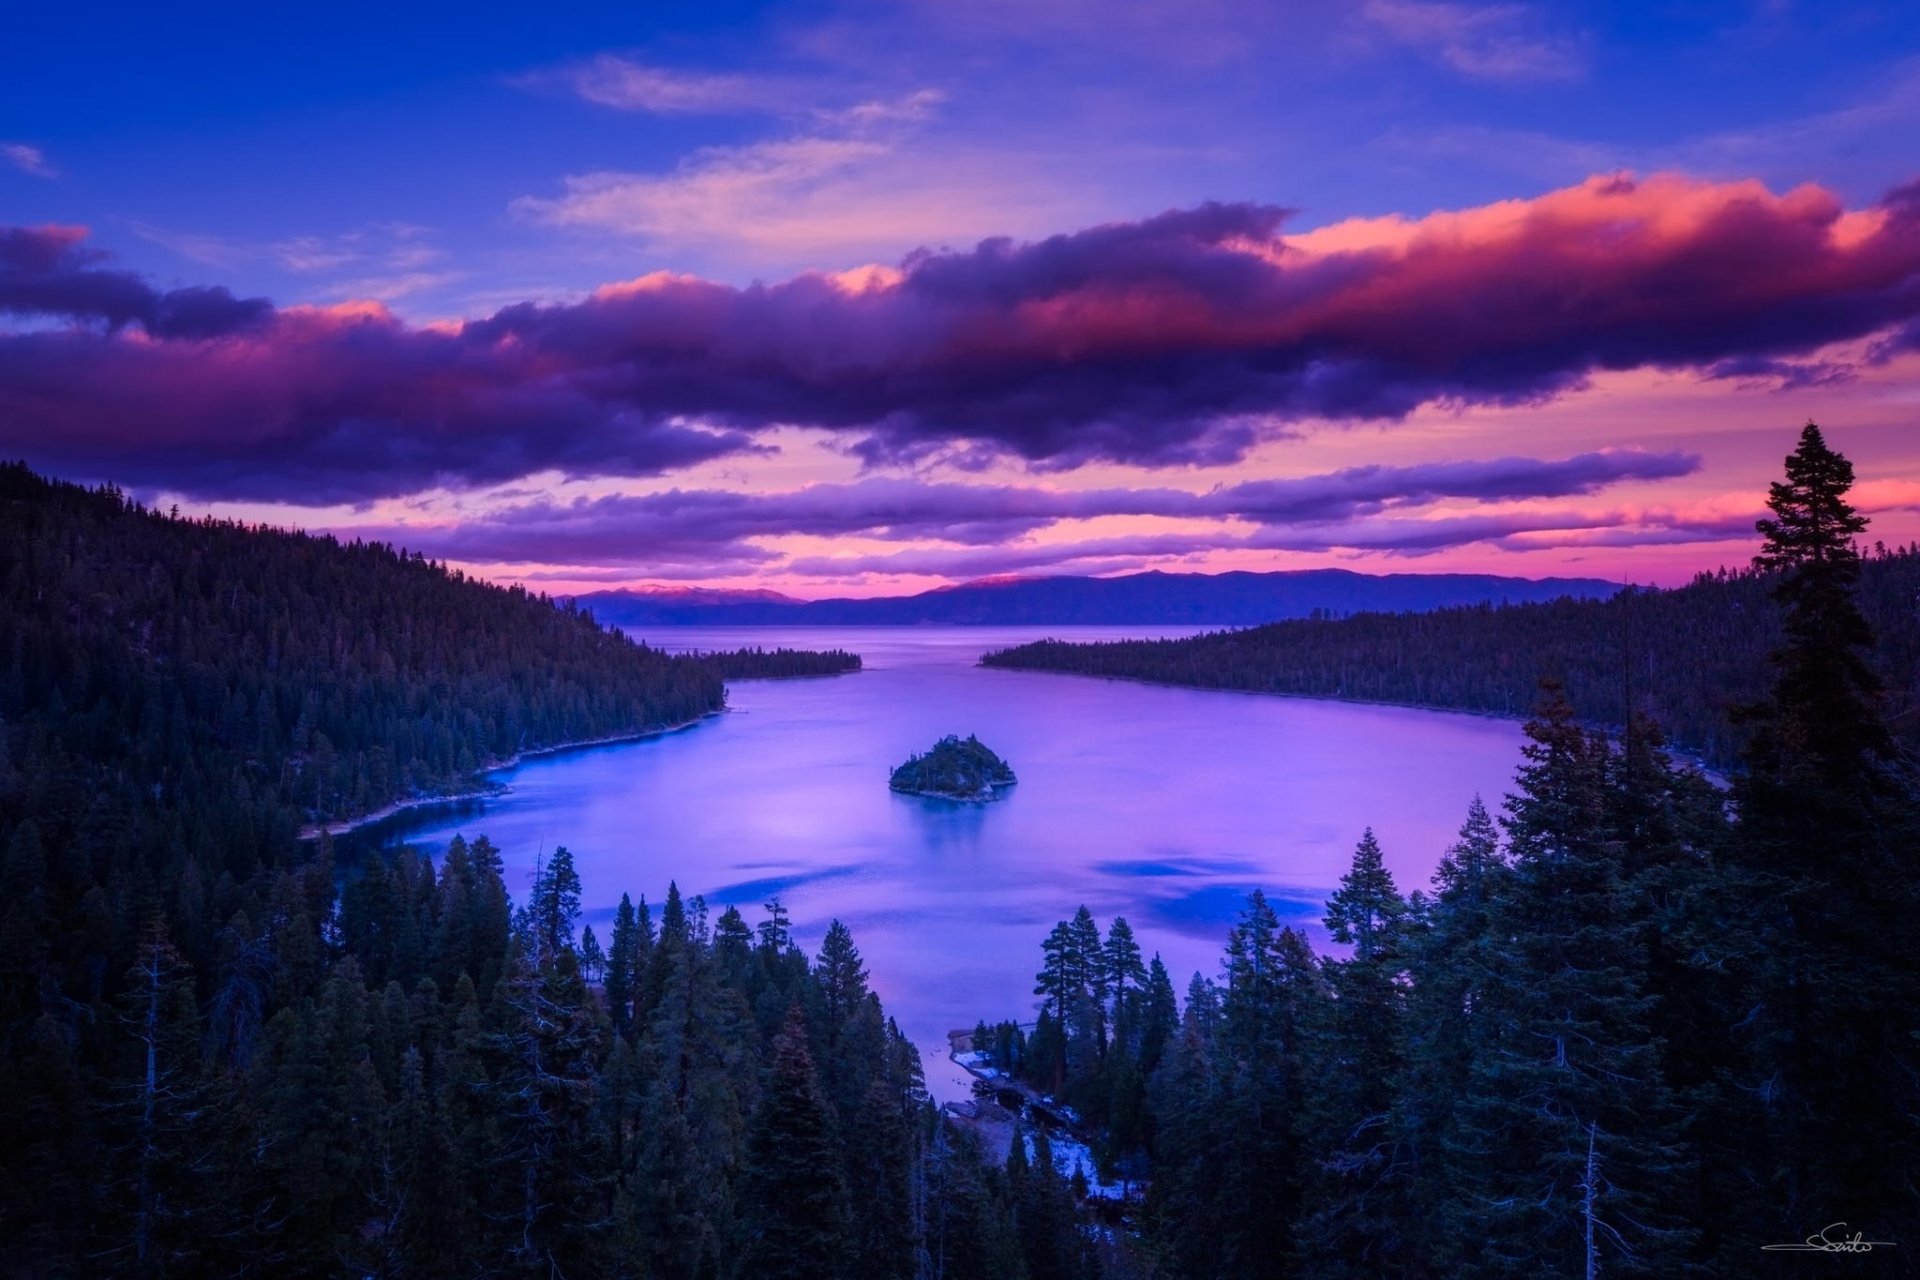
(1642,1022)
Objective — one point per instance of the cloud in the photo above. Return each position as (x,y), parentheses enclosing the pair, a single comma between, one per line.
(48,271)
(1410,537)
(1486,42)
(390,251)
(1358,491)
(1781,375)
(835,187)
(1179,339)
(28,159)
(684,527)
(626,85)
(1094,556)
(710,192)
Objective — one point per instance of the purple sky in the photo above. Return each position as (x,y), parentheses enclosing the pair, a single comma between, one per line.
(843,298)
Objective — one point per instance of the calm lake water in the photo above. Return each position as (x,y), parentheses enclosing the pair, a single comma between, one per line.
(1163,805)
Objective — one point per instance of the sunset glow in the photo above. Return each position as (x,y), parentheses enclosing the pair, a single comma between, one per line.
(900,344)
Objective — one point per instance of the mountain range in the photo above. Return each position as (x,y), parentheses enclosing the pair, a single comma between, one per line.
(1216,599)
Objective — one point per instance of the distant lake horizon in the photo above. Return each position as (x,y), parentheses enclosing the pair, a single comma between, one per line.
(1163,805)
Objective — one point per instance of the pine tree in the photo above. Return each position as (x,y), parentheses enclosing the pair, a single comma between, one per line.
(1825,705)
(1054,983)
(797,1204)
(623,962)
(553,907)
(1448,1022)
(1160,1016)
(776,931)
(1360,1193)
(593,960)
(1050,1243)
(1245,1158)
(843,987)
(556,1151)
(695,1047)
(1126,969)
(1570,1061)
(160,1110)
(1823,874)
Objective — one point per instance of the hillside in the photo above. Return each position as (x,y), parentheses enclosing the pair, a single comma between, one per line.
(228,683)
(1698,653)
(1220,599)
(222,1054)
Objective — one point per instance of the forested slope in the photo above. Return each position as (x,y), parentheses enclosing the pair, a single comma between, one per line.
(206,673)
(1690,657)
(222,1054)
(1637,1025)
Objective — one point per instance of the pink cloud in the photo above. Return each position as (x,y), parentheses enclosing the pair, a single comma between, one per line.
(1181,339)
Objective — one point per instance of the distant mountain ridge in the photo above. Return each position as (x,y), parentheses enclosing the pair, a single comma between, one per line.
(1207,599)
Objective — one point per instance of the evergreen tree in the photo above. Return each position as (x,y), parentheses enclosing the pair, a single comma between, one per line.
(1449,1024)
(623,964)
(1159,1018)
(1051,1245)
(1125,968)
(553,907)
(797,1206)
(159,1108)
(843,995)
(593,960)
(1359,1196)
(1824,874)
(1825,705)
(554,1146)
(1570,1079)
(776,931)
(1232,1137)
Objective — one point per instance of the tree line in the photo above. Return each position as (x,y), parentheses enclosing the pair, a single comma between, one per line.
(759,663)
(1637,1026)
(1692,657)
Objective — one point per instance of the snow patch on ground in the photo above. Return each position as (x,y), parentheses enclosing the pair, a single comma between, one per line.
(979,1062)
(1071,1155)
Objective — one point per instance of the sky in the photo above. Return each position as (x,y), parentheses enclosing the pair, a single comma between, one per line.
(850,298)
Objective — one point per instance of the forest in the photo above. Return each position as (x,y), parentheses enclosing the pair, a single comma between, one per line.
(758,663)
(1639,1024)
(226,683)
(1692,657)
(223,1054)
(1636,1026)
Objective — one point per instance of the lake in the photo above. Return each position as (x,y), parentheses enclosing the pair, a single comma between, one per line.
(1163,805)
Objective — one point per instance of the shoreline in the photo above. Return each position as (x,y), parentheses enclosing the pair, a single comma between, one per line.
(1517,718)
(1714,773)
(488,790)
(996,791)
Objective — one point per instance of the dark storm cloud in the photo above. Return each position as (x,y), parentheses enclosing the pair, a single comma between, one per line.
(1180,339)
(46,271)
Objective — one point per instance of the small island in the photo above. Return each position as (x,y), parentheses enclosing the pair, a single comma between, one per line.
(956,769)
